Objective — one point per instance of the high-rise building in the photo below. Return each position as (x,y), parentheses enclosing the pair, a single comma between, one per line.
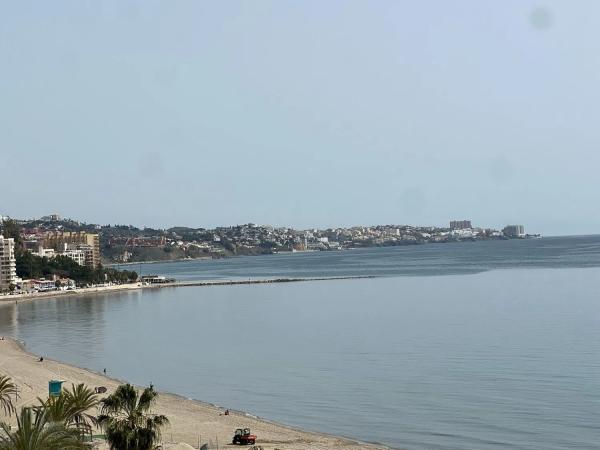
(460,224)
(88,242)
(514,231)
(8,264)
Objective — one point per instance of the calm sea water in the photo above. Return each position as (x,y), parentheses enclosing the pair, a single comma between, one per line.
(421,260)
(467,357)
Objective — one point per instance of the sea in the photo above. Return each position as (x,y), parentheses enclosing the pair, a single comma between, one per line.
(472,345)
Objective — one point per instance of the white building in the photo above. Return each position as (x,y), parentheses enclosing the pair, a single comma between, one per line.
(76,255)
(8,263)
(462,233)
(44,285)
(46,252)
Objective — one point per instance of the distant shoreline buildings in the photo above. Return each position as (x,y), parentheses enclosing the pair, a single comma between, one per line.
(514,231)
(80,246)
(90,244)
(83,248)
(460,224)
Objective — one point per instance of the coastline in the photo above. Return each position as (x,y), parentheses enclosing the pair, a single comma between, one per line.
(75,292)
(113,264)
(192,421)
(137,285)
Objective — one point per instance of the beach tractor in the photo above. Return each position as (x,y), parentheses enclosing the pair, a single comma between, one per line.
(242,436)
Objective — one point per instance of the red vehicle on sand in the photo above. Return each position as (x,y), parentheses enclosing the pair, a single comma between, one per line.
(242,436)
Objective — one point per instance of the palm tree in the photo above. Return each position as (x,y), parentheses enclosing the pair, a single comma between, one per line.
(127,420)
(37,432)
(8,390)
(55,408)
(71,408)
(80,400)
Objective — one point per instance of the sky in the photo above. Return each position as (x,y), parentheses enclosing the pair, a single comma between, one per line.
(302,113)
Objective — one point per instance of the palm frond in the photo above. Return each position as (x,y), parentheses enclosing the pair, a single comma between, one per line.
(36,432)
(8,392)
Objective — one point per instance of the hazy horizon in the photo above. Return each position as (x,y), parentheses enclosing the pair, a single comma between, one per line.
(311,114)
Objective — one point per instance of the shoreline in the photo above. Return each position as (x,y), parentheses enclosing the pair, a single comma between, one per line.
(191,283)
(190,419)
(5,298)
(286,252)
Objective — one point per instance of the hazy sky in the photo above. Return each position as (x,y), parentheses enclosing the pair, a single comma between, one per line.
(302,113)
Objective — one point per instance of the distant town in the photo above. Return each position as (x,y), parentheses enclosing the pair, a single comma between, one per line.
(52,245)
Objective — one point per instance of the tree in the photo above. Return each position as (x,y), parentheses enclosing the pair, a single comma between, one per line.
(128,421)
(80,400)
(11,229)
(37,432)
(33,266)
(8,391)
(56,409)
(71,408)
(58,284)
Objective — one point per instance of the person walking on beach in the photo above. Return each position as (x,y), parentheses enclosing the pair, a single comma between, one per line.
(104,371)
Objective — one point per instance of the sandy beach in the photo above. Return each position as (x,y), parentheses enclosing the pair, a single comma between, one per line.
(191,421)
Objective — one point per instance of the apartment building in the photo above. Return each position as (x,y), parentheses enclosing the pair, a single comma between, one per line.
(514,231)
(87,242)
(81,257)
(460,224)
(8,263)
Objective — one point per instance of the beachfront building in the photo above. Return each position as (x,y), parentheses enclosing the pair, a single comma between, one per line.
(87,242)
(8,263)
(43,285)
(156,279)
